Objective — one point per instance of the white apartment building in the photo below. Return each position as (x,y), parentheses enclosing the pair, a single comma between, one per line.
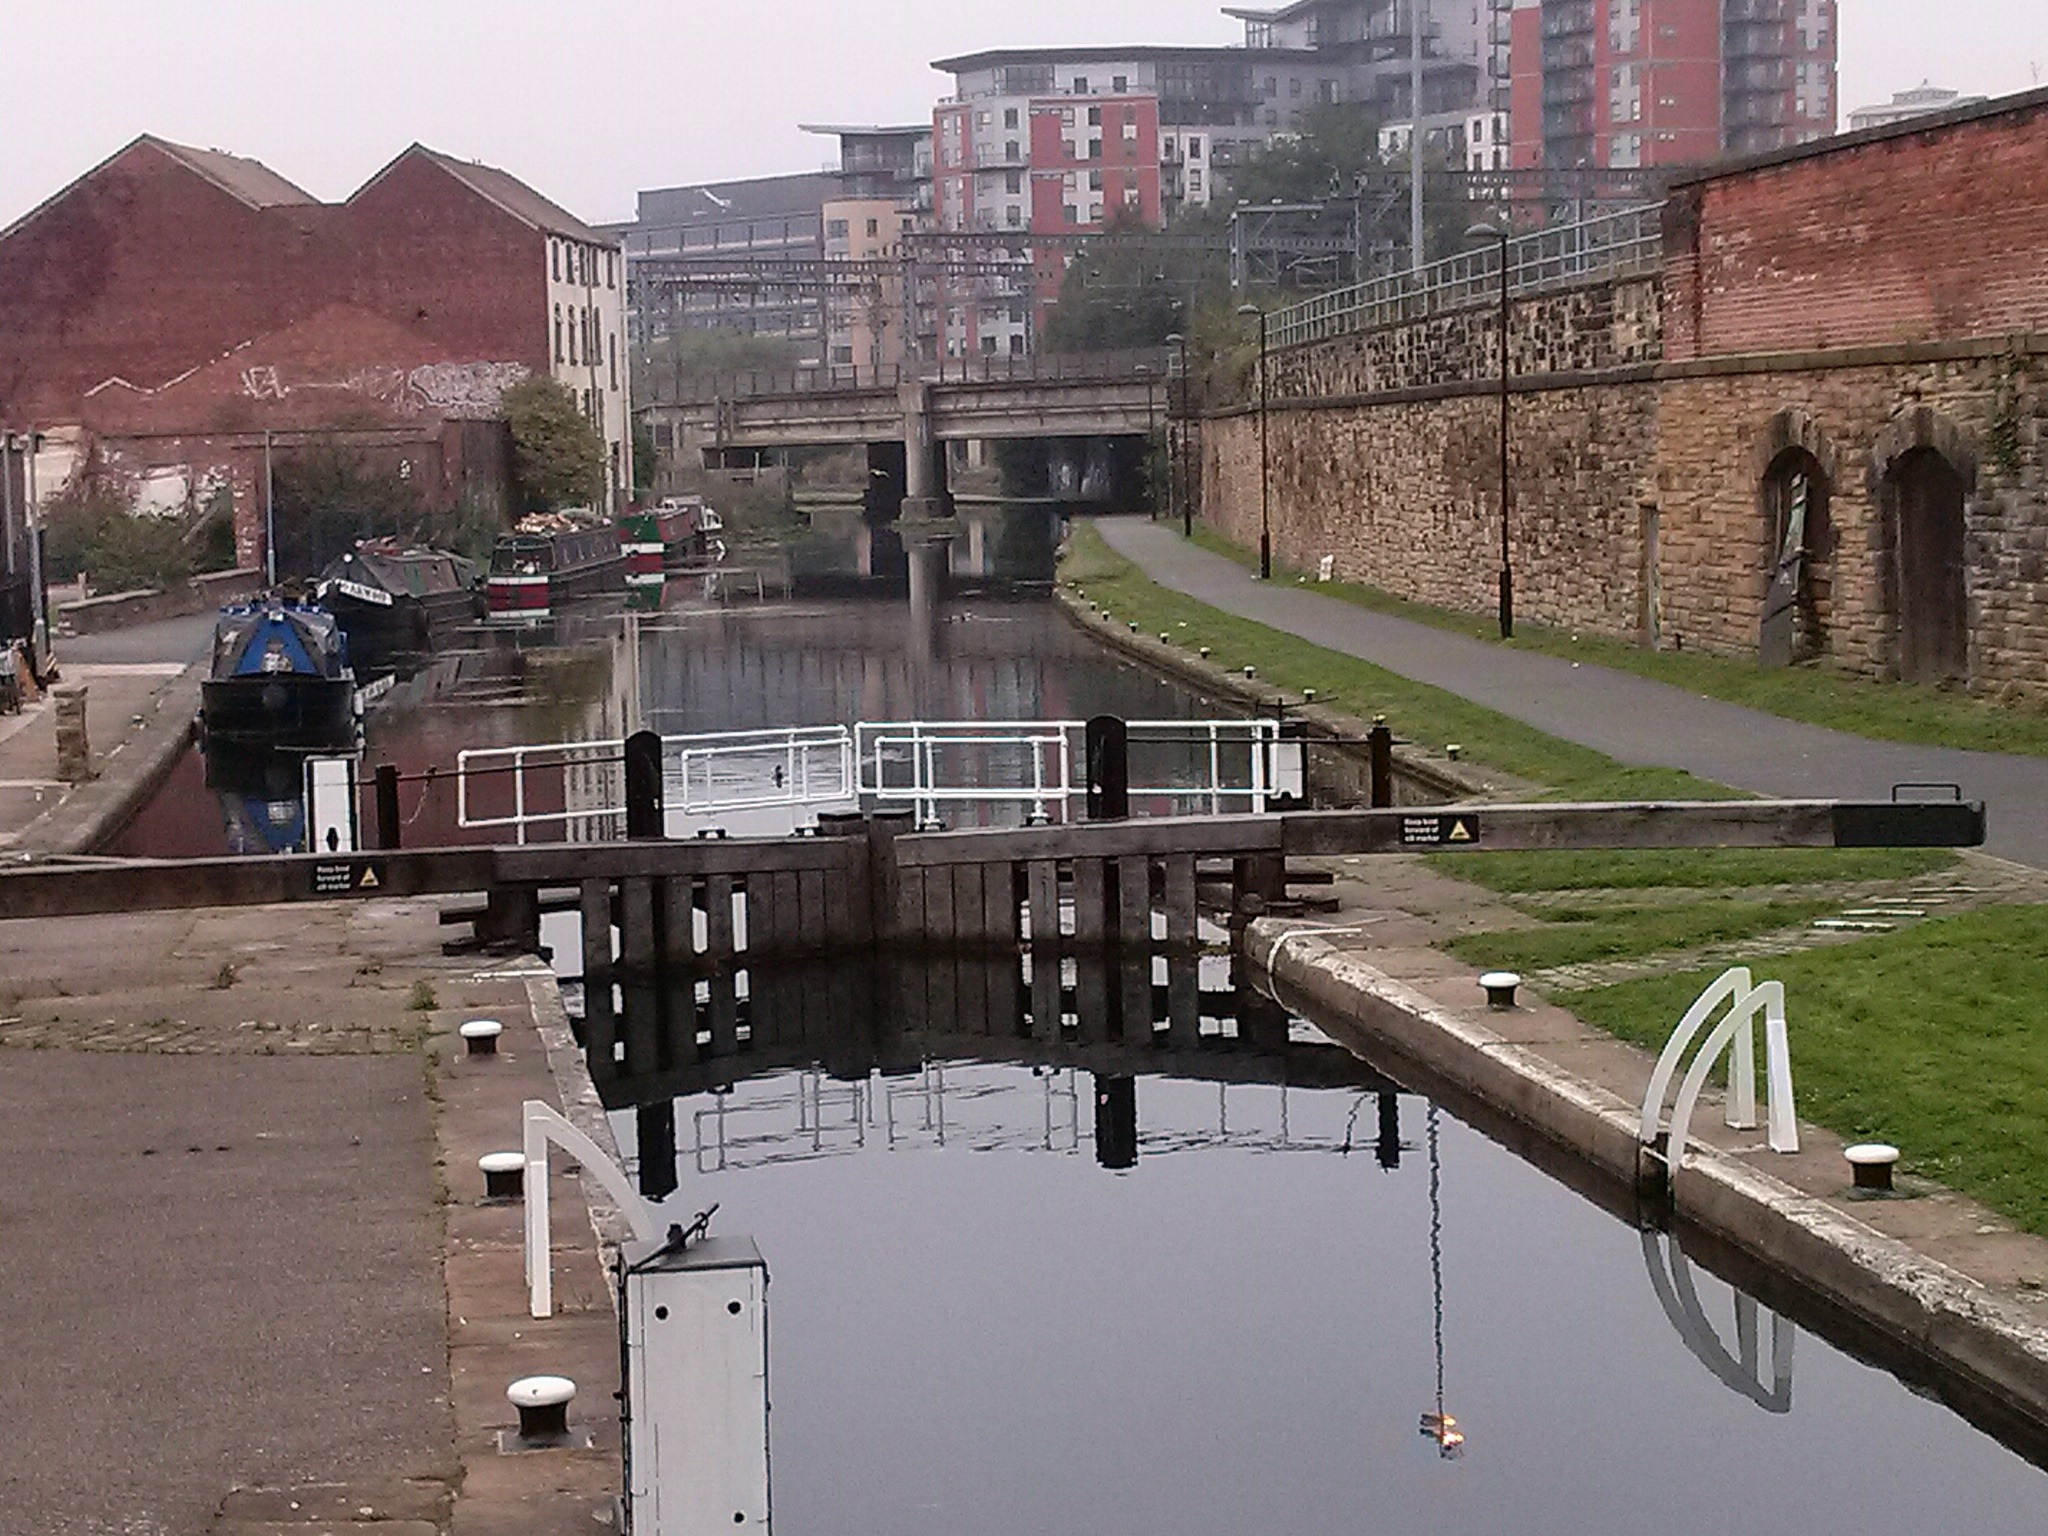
(586,301)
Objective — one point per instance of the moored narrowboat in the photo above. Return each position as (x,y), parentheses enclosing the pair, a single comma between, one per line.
(656,538)
(280,678)
(546,560)
(393,598)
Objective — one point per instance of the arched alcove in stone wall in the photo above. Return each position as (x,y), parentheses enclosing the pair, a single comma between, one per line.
(1793,466)
(1923,469)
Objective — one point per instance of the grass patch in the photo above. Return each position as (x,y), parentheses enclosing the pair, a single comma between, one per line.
(421,998)
(1692,868)
(1930,1039)
(1419,712)
(1582,935)
(1907,712)
(1416,711)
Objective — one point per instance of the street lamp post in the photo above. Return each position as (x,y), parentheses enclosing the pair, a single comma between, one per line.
(1265,456)
(1152,450)
(1502,233)
(1187,490)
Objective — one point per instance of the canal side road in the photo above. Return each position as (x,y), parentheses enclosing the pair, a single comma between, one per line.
(248,1280)
(1632,719)
(142,690)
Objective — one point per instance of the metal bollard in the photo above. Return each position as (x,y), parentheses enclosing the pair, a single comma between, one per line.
(480,1036)
(1872,1162)
(1500,988)
(504,1175)
(543,1404)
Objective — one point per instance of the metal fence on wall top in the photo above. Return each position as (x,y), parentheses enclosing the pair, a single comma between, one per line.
(1625,244)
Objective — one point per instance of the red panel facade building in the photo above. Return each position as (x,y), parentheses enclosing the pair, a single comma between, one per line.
(1045,166)
(1627,83)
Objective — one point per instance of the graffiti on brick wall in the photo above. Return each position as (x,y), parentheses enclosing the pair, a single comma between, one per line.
(462,390)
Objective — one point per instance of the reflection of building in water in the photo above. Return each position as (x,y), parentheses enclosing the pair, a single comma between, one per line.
(594,783)
(742,669)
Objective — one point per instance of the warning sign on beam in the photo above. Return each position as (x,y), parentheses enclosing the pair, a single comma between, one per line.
(352,877)
(1457,830)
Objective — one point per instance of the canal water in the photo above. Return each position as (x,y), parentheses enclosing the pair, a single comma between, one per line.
(1212,1283)
(601,672)
(1210,1280)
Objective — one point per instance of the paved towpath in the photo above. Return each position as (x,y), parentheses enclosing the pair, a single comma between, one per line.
(142,686)
(1631,719)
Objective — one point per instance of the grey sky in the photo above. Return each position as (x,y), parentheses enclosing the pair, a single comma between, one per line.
(591,99)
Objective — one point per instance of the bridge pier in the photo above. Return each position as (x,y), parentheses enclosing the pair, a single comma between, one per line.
(926,547)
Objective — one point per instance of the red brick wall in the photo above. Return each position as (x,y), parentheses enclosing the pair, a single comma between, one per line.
(431,255)
(146,270)
(1928,236)
(141,271)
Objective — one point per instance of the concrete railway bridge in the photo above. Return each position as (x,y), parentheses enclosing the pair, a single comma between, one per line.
(1095,411)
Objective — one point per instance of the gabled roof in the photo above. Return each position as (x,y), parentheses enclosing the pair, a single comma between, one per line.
(247,181)
(502,189)
(251,181)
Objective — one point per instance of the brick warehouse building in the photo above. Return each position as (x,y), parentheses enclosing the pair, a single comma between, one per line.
(1856,329)
(169,308)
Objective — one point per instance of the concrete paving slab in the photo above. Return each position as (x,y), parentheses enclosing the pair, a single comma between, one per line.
(214,1271)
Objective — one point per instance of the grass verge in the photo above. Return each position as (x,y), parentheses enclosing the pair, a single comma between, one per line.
(1929,1039)
(1414,710)
(1906,712)
(1583,935)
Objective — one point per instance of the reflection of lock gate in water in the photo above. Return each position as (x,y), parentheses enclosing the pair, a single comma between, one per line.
(976,767)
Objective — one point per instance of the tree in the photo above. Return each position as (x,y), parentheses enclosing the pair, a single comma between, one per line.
(557,455)
(1336,142)
(646,459)
(1129,290)
(327,496)
(709,353)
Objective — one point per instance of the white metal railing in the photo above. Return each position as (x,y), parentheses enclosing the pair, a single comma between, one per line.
(1623,244)
(1238,763)
(755,770)
(719,771)
(571,765)
(1224,766)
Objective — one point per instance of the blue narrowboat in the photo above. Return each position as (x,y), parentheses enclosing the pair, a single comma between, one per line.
(280,678)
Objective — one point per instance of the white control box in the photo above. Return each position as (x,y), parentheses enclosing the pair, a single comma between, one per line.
(696,1438)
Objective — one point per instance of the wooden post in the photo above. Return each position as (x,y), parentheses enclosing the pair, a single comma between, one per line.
(643,786)
(1116,1122)
(596,908)
(1109,769)
(656,1124)
(1380,745)
(885,878)
(390,833)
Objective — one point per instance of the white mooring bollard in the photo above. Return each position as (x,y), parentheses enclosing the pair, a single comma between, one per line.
(543,1404)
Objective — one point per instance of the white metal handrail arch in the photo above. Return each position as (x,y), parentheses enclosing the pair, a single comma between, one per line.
(542,1125)
(1736,1035)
